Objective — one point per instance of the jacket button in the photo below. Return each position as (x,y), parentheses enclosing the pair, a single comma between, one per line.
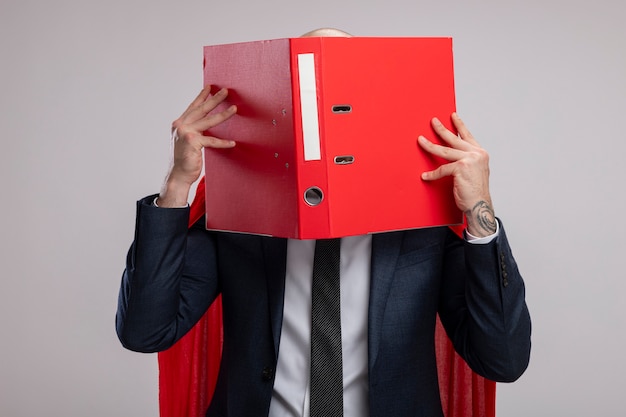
(268,373)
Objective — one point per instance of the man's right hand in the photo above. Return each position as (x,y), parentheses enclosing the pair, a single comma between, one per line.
(188,141)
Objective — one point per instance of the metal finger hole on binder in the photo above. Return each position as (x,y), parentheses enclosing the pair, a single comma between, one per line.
(313,196)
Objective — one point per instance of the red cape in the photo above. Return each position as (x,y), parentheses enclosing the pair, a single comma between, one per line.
(188,370)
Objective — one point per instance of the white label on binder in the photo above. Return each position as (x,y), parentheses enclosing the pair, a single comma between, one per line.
(308,104)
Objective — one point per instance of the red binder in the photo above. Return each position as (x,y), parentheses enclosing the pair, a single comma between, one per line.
(326,134)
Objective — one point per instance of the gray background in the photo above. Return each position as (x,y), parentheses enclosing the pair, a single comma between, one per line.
(88,90)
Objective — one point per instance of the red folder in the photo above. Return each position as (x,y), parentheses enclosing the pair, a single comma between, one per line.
(326,134)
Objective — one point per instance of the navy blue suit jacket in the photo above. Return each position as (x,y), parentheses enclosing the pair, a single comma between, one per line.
(173,274)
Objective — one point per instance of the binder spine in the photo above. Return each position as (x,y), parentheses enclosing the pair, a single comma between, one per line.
(312,185)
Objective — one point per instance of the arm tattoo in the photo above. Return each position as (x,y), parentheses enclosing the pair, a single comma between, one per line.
(483,216)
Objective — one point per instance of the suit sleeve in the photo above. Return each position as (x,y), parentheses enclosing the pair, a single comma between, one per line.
(483,308)
(170,279)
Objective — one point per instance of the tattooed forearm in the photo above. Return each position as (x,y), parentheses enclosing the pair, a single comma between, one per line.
(482,217)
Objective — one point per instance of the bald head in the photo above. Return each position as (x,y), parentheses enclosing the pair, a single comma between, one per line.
(327,32)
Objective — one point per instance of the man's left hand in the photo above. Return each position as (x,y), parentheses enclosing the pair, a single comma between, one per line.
(469,166)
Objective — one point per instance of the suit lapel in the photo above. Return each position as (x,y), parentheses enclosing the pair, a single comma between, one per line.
(275,261)
(385,252)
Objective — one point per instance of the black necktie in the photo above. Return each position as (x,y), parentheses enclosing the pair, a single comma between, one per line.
(326,362)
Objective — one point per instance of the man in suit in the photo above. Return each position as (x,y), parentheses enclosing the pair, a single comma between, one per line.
(392,287)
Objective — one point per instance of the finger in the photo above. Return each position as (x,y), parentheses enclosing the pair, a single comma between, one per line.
(445,152)
(213,101)
(212,120)
(203,104)
(216,143)
(193,132)
(206,92)
(436,174)
(463,130)
(184,117)
(199,141)
(447,136)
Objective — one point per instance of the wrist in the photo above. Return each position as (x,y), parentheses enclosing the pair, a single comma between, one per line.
(481,219)
(481,240)
(173,193)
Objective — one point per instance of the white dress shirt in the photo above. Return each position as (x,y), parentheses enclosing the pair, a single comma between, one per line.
(290,397)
